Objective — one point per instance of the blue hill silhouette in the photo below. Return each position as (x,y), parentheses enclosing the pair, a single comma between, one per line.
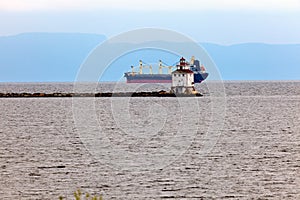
(256,61)
(42,57)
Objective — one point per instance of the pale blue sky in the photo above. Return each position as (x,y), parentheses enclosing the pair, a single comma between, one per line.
(217,21)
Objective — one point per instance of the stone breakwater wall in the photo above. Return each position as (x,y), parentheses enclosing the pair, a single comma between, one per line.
(106,94)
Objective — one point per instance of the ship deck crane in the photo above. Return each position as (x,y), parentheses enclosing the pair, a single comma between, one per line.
(161,66)
(141,67)
(132,70)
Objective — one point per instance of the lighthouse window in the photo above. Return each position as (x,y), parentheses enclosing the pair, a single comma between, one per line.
(182,74)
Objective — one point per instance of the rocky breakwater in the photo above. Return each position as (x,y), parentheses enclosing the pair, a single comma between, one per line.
(105,94)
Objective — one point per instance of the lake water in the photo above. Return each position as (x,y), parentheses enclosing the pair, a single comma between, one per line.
(237,142)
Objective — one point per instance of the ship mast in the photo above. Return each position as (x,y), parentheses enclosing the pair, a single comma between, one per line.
(192,60)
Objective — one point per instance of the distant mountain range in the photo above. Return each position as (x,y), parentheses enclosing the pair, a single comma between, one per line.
(256,61)
(42,57)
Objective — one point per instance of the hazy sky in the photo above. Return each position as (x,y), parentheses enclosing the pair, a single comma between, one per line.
(218,21)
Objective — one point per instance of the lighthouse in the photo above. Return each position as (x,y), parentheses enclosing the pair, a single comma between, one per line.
(183,79)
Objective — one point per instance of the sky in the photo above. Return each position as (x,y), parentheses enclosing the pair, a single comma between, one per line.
(217,21)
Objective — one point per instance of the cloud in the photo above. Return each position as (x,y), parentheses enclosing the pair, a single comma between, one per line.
(150,5)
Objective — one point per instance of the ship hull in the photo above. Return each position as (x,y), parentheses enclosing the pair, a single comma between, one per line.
(148,81)
(199,77)
(159,78)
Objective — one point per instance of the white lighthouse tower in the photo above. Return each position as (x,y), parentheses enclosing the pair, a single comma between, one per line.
(183,79)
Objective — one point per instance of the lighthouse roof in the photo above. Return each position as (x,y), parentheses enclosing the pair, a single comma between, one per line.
(186,71)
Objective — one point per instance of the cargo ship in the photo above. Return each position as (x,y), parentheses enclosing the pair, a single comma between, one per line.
(199,71)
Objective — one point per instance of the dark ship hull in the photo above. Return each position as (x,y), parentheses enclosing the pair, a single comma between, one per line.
(160,78)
